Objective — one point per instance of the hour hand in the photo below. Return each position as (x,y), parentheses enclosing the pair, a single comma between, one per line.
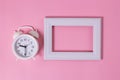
(23,46)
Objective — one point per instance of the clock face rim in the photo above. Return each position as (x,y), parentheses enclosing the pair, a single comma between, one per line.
(14,48)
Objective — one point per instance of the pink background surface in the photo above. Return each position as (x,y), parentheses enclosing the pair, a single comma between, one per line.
(15,13)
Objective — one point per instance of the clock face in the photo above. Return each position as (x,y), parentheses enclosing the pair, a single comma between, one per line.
(25,46)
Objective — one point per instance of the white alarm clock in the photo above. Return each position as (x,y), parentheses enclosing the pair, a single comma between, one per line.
(25,45)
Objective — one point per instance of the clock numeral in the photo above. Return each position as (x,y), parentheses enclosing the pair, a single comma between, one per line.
(18,50)
(29,53)
(32,46)
(25,39)
(17,46)
(18,43)
(21,40)
(31,42)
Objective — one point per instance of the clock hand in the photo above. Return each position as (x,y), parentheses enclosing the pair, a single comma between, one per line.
(23,46)
(25,52)
(25,49)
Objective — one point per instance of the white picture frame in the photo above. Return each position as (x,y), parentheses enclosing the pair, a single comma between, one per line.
(95,22)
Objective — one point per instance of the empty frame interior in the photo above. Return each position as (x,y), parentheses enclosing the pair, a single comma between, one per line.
(72,39)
